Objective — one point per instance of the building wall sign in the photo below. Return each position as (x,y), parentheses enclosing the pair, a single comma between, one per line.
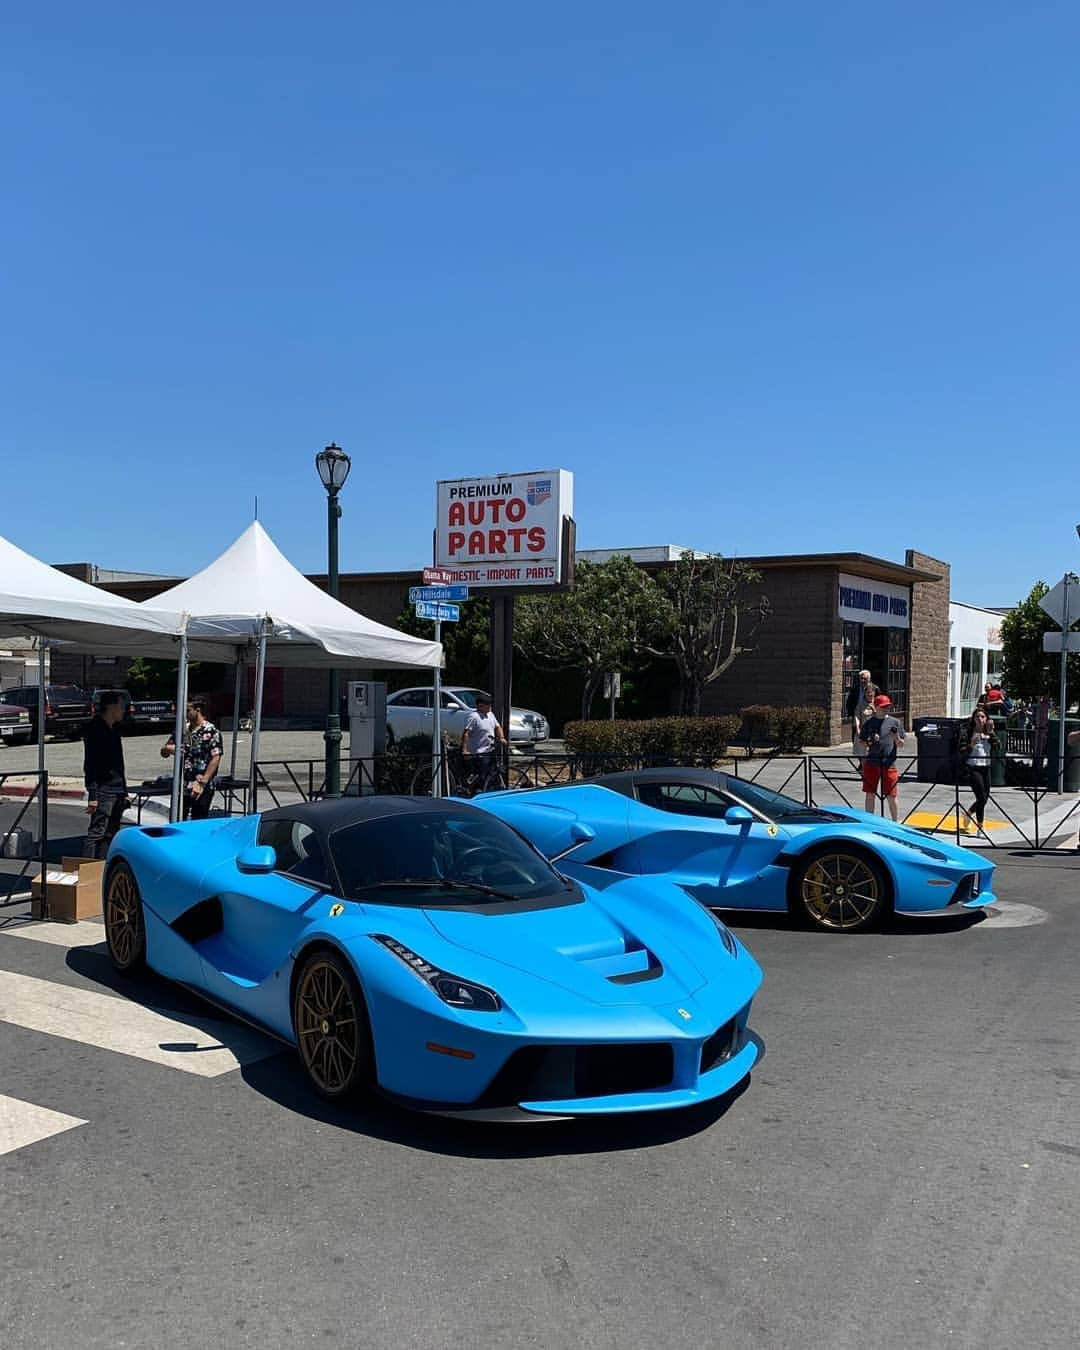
(505,530)
(880,603)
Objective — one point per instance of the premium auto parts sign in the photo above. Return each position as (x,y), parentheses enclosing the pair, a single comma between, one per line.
(505,530)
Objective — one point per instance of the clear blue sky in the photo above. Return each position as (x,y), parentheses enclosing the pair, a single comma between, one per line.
(769,277)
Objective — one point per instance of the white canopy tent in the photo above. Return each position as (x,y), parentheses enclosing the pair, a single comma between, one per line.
(39,601)
(252,599)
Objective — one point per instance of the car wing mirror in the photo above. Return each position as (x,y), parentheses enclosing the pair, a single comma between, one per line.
(580,833)
(256,858)
(738,815)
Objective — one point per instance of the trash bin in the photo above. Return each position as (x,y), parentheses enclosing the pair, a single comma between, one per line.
(997,757)
(938,760)
(1072,756)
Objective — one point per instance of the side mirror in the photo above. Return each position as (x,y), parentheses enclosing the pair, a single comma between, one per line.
(256,858)
(580,833)
(738,815)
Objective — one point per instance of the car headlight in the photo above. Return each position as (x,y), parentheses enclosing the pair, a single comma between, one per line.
(726,935)
(452,989)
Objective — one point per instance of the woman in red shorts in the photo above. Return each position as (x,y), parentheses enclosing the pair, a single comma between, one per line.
(883,734)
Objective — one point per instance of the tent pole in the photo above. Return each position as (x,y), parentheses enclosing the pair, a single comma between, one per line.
(43,782)
(175,804)
(260,676)
(237,668)
(436,724)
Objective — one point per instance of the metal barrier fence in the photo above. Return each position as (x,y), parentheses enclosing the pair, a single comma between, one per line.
(1031,817)
(13,880)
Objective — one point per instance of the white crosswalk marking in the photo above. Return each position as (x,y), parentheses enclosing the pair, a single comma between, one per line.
(200,1045)
(23,1123)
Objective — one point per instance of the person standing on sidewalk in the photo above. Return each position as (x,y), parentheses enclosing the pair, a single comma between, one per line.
(202,750)
(978,742)
(882,734)
(103,772)
(860,704)
(482,734)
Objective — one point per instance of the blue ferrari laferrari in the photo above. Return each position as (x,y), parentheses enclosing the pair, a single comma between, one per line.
(424,949)
(734,845)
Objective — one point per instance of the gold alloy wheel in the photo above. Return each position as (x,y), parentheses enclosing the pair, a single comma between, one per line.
(327,1029)
(123,918)
(841,890)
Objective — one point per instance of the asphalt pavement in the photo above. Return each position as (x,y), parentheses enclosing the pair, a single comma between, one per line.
(903,1168)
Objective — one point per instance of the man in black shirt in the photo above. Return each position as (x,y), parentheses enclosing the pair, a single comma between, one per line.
(103,768)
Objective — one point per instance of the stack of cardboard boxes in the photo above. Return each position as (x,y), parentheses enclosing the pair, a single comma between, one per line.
(71,892)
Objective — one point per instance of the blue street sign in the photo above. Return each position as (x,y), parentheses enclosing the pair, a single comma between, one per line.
(446,613)
(419,593)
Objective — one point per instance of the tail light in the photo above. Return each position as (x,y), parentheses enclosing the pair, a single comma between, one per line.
(49,711)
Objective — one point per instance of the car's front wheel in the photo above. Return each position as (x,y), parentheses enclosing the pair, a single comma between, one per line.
(125,926)
(840,889)
(333,1033)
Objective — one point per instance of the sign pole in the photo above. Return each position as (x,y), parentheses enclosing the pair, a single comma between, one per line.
(436,724)
(1066,620)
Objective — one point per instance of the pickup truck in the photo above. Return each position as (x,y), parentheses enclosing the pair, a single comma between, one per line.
(16,727)
(142,714)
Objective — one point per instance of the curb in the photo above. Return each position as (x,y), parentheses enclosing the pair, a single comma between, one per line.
(55,793)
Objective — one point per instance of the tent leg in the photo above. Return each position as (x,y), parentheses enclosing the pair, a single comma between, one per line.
(237,668)
(175,805)
(43,782)
(260,677)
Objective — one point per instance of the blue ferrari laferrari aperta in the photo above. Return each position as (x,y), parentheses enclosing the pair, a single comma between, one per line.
(735,845)
(425,949)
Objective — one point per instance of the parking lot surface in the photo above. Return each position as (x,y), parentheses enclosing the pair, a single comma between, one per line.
(903,1168)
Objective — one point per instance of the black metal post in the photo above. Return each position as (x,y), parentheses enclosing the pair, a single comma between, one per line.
(332,735)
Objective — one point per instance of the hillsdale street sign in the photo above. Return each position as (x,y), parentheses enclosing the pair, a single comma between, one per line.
(505,530)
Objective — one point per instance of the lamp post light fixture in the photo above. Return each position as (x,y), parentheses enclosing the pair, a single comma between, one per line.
(333,465)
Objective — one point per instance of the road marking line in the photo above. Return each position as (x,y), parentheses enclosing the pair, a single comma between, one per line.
(199,1045)
(23,1123)
(81,934)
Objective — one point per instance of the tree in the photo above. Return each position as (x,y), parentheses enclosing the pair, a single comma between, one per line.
(603,624)
(465,644)
(1029,671)
(709,620)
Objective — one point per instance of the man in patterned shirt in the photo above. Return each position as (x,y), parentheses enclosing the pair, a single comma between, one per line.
(202,751)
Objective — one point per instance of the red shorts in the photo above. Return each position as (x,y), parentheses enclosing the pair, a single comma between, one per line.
(873,774)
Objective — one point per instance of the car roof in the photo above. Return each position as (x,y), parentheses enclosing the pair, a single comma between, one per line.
(329,815)
(624,782)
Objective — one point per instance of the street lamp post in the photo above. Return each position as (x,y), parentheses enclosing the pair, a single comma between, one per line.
(333,465)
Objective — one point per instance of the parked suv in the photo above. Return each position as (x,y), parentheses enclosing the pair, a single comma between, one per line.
(410,712)
(142,714)
(67,708)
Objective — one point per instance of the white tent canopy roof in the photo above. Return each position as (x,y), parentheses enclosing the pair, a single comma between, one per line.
(39,601)
(253,582)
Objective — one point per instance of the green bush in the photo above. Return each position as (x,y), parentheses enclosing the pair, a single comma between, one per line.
(787,729)
(395,769)
(670,740)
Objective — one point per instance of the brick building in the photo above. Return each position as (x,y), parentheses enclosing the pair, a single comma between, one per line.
(831,615)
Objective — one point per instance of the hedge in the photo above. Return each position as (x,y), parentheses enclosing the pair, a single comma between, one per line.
(788,729)
(672,740)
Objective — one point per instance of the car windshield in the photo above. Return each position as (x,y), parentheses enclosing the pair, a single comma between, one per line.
(773,805)
(469,696)
(68,692)
(435,859)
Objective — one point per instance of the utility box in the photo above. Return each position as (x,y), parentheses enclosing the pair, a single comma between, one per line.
(367,732)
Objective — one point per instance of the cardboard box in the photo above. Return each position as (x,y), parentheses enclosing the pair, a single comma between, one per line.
(72,890)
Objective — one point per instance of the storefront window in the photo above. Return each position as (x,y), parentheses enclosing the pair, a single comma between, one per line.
(898,669)
(995,664)
(971,679)
(852,652)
